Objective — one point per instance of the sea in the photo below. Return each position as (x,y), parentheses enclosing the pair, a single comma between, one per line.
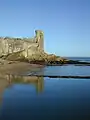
(43,98)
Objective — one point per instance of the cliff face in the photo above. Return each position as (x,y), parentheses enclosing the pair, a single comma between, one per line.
(27,49)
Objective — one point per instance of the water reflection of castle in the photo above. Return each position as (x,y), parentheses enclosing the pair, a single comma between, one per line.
(9,80)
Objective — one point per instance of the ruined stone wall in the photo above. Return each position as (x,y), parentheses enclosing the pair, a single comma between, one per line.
(10,45)
(40,38)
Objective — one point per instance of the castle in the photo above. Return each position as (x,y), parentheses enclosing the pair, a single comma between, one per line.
(11,45)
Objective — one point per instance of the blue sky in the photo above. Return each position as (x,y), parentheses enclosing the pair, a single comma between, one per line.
(66,23)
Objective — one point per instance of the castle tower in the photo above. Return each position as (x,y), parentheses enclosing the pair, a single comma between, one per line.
(39,38)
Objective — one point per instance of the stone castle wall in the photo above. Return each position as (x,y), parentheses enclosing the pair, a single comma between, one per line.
(11,45)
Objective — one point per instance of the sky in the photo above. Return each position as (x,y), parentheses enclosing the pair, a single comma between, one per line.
(65,23)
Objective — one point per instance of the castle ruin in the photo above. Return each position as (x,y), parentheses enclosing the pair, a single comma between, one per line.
(11,45)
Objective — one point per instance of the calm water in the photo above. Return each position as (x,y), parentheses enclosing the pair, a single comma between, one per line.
(35,98)
(63,70)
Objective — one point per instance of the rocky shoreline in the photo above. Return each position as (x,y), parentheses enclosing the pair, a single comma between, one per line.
(48,62)
(18,67)
(61,63)
(17,55)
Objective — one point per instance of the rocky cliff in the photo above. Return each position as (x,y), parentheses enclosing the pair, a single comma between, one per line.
(30,49)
